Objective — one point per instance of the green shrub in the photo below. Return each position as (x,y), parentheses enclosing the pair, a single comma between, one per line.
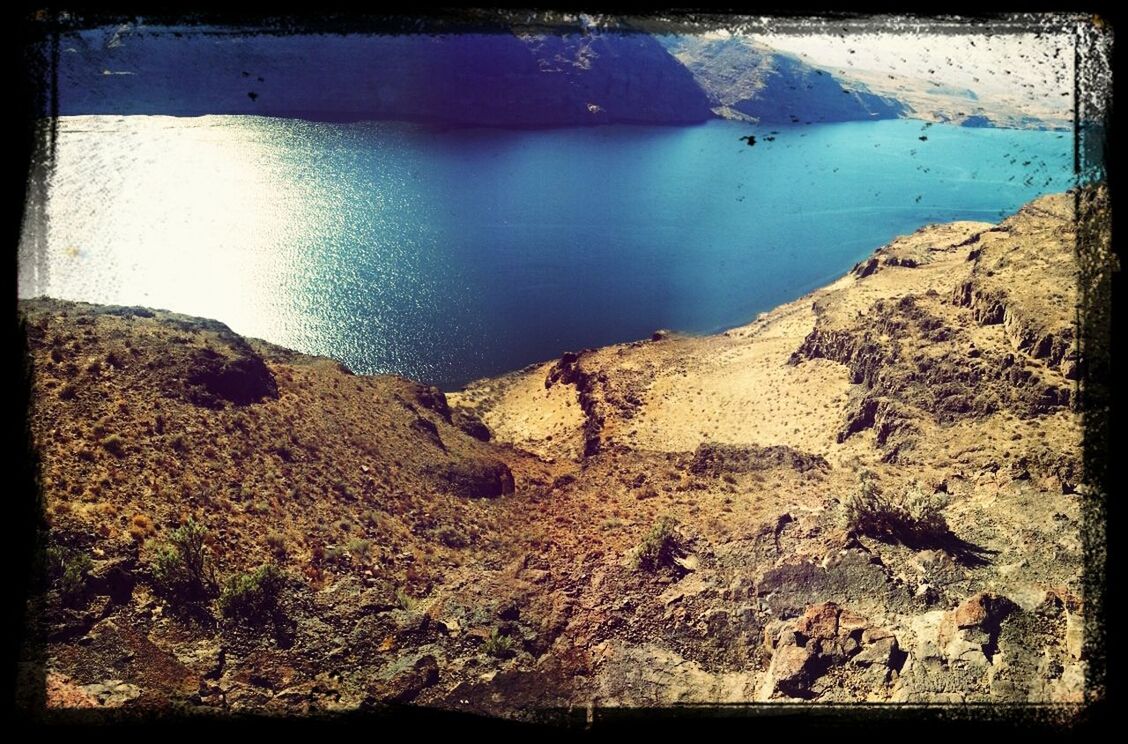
(913,517)
(925,513)
(252,596)
(180,569)
(359,548)
(67,569)
(405,600)
(660,546)
(498,645)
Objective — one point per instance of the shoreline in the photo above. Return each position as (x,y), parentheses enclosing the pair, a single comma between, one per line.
(445,126)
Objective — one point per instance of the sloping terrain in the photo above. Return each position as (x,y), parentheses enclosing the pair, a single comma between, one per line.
(871,493)
(746,79)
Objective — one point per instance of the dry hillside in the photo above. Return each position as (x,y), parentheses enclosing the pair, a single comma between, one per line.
(872,493)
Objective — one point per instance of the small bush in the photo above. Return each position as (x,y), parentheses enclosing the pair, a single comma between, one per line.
(140,527)
(115,445)
(359,548)
(276,541)
(660,546)
(180,568)
(405,600)
(452,538)
(912,518)
(498,645)
(67,569)
(251,596)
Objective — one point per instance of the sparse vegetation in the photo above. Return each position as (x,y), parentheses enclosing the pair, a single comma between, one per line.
(359,548)
(912,518)
(405,600)
(114,444)
(276,542)
(452,538)
(252,596)
(659,547)
(180,569)
(498,645)
(67,569)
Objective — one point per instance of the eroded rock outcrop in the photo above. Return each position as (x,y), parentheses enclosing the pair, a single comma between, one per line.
(827,640)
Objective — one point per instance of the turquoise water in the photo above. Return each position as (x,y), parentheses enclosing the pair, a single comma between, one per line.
(447,255)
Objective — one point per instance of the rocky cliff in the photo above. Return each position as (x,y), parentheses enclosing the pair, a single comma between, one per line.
(872,493)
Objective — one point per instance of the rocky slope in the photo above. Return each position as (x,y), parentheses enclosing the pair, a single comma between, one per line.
(871,493)
(748,80)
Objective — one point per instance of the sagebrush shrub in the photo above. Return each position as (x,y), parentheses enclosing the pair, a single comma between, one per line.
(180,568)
(913,516)
(252,596)
(67,570)
(659,547)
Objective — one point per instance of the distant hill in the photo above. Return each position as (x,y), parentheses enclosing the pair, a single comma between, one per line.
(746,79)
(499,79)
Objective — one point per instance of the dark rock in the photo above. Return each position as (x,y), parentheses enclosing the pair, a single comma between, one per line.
(563,481)
(859,418)
(428,397)
(114,578)
(216,378)
(509,611)
(977,120)
(495,76)
(864,268)
(849,576)
(755,81)
(128,312)
(428,431)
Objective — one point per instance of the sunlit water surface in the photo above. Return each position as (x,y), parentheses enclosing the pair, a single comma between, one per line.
(447,255)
